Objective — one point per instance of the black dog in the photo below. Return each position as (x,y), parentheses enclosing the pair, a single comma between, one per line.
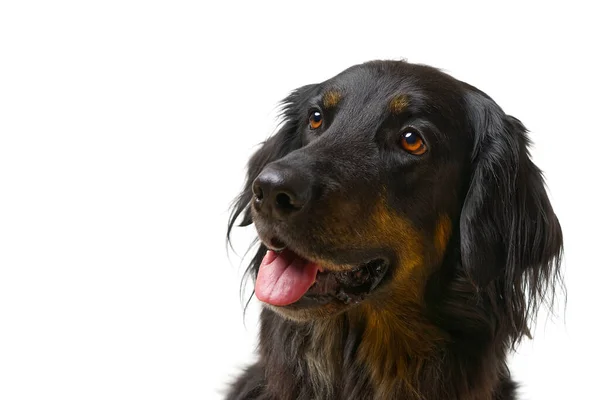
(407,241)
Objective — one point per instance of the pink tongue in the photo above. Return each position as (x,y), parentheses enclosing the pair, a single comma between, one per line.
(283,278)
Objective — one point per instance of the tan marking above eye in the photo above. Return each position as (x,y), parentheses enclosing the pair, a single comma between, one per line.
(399,104)
(331,98)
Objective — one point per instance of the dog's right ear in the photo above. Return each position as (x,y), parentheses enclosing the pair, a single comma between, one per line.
(511,239)
(286,140)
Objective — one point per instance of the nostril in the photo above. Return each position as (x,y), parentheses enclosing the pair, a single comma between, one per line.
(284,201)
(258,193)
(257,190)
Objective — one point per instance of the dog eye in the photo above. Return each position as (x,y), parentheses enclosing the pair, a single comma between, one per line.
(315,120)
(413,143)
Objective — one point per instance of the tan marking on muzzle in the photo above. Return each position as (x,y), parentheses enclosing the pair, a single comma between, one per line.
(397,232)
(396,330)
(352,226)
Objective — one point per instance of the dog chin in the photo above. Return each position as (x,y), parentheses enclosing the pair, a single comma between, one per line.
(308,314)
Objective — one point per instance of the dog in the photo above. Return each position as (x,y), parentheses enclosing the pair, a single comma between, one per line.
(406,241)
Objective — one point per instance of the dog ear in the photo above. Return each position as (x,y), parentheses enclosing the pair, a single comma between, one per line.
(286,140)
(508,230)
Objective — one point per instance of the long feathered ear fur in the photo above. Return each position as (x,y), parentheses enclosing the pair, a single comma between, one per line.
(511,239)
(286,140)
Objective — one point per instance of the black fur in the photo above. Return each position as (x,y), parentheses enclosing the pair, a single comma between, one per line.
(500,264)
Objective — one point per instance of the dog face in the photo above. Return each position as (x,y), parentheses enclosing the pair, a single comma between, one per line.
(376,177)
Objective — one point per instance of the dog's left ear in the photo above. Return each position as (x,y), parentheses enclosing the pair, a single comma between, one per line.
(508,230)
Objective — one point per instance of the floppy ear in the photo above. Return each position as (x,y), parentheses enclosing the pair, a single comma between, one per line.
(509,233)
(286,140)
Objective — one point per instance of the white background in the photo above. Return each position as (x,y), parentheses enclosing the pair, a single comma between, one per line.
(125,128)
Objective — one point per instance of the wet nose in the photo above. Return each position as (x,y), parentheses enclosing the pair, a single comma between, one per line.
(281,191)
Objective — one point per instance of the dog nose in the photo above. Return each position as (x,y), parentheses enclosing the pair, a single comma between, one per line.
(281,191)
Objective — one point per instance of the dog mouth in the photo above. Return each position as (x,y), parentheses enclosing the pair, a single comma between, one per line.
(287,279)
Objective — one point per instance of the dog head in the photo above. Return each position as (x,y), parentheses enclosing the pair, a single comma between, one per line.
(379,176)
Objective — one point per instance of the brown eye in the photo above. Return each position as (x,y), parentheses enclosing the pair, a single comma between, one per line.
(315,120)
(413,143)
